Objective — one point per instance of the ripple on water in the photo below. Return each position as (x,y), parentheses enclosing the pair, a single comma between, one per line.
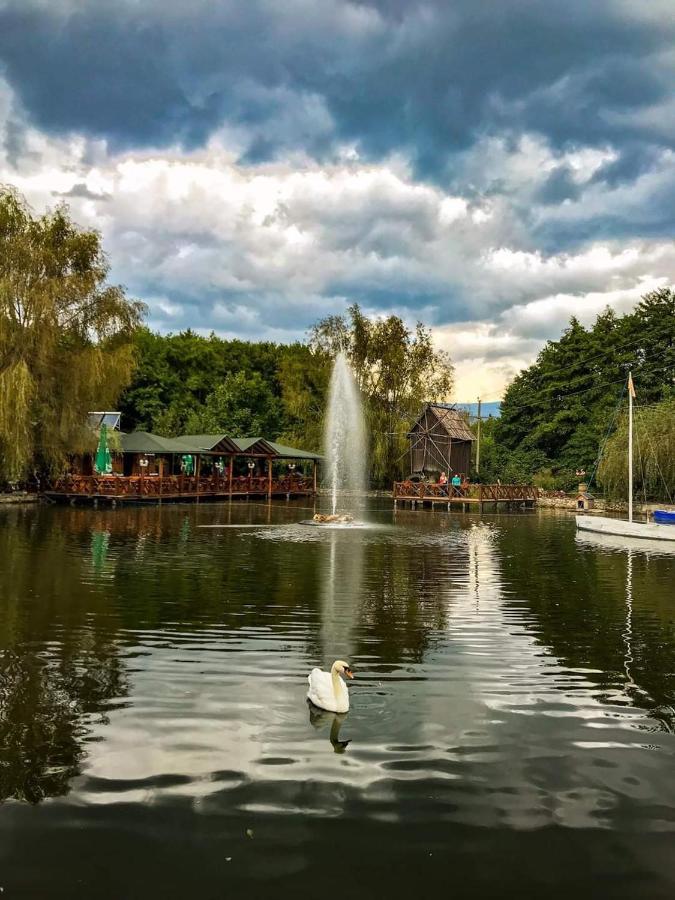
(506,679)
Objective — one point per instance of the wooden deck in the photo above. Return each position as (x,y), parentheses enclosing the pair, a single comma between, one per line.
(118,489)
(473,496)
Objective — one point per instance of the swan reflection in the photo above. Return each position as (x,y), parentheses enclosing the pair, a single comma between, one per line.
(319,718)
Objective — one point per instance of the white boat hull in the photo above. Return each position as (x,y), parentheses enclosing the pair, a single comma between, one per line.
(605,525)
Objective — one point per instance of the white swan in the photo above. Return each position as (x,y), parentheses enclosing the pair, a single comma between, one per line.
(327,690)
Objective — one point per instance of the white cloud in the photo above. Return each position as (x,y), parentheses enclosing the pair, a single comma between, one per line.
(263,251)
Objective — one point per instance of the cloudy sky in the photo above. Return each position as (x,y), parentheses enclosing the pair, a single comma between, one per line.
(488,166)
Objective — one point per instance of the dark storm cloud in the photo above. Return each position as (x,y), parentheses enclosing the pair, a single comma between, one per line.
(424,78)
(559,186)
(81,191)
(490,166)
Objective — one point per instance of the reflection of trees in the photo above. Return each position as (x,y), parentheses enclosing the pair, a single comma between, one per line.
(42,706)
(77,584)
(49,686)
(170,573)
(578,599)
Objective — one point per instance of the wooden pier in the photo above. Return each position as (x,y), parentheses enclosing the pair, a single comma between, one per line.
(470,497)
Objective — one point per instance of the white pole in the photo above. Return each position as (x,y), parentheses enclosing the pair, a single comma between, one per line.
(478,443)
(630,447)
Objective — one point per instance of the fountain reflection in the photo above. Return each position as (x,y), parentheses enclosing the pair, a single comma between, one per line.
(341,595)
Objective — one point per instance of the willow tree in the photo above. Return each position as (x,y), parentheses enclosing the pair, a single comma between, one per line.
(653,455)
(65,336)
(398,369)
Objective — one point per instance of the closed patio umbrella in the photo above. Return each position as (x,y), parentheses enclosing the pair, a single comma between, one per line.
(103,460)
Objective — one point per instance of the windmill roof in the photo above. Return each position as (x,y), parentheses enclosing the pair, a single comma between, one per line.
(452,420)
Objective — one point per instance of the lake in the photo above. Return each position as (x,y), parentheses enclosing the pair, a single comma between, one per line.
(511,722)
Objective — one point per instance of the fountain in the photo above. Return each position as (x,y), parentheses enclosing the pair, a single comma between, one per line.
(345,444)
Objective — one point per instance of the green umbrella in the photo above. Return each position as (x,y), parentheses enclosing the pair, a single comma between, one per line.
(103,460)
(188,467)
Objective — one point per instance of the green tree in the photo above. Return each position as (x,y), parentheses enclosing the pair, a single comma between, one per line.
(243,406)
(562,406)
(176,373)
(654,455)
(65,336)
(304,375)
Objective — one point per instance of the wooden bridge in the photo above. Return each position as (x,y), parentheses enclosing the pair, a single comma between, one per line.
(470,496)
(118,489)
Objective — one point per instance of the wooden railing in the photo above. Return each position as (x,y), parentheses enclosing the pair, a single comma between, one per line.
(488,493)
(156,486)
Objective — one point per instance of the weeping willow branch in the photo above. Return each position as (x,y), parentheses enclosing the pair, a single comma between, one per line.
(65,336)
(654,469)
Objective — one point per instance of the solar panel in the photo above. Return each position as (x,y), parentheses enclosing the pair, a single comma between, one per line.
(110,419)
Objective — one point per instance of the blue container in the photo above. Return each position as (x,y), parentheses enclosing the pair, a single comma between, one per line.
(662,517)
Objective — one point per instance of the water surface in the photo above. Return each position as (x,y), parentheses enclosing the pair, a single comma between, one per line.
(511,729)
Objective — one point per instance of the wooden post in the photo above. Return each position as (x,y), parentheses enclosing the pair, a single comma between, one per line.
(269,478)
(230,468)
(314,476)
(197,470)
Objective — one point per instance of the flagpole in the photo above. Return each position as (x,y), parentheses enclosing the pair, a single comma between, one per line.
(630,447)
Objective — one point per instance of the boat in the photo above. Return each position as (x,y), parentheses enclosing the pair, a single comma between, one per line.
(605,525)
(663,526)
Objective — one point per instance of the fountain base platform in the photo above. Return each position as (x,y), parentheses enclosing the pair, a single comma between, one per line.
(321,520)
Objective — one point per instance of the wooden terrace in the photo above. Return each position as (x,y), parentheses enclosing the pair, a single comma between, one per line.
(467,497)
(148,468)
(117,489)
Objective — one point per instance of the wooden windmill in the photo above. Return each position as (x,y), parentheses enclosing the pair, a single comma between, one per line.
(440,441)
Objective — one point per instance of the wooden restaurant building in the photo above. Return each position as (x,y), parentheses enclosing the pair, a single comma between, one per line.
(146,467)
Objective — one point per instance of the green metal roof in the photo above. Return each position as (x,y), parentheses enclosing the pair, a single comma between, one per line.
(245,444)
(145,442)
(204,443)
(292,452)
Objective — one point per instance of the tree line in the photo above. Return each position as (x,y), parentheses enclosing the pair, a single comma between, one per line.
(190,384)
(566,413)
(70,342)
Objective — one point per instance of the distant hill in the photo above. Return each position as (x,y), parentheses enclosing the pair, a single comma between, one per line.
(486,409)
